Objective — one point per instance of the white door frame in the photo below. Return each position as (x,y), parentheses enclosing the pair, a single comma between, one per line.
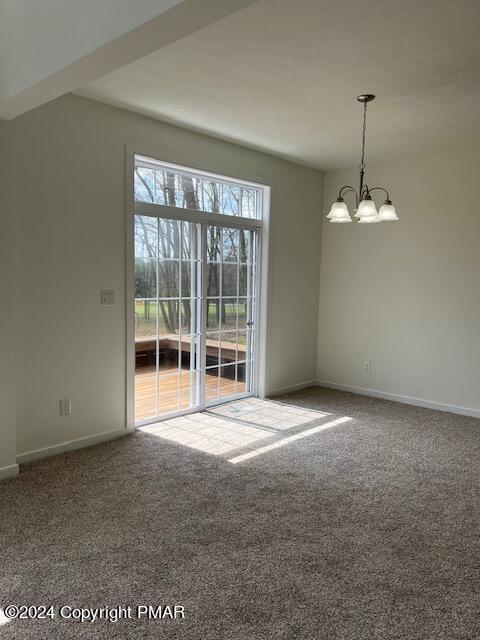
(263,226)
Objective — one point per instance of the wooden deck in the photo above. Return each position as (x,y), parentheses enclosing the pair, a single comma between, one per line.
(149,343)
(169,397)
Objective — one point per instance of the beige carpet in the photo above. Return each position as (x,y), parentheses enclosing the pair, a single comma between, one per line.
(365,530)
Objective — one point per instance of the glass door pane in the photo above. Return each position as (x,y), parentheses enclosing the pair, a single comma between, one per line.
(195,314)
(231,312)
(168,302)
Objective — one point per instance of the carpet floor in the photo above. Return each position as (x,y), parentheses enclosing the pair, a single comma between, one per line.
(366,530)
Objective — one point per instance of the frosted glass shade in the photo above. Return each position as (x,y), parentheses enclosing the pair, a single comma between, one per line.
(341,220)
(387,212)
(369,219)
(339,212)
(366,209)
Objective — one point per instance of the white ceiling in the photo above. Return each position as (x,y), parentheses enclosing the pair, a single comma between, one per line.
(52,47)
(282,76)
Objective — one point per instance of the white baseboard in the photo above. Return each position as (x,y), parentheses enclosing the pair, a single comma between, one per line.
(417,402)
(8,472)
(71,445)
(293,387)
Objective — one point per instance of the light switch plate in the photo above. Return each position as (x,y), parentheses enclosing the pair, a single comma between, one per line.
(107,297)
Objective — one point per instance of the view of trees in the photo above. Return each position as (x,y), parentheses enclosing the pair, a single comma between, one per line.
(175,189)
(165,242)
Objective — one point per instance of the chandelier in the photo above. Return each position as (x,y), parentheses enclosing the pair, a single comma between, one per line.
(365,210)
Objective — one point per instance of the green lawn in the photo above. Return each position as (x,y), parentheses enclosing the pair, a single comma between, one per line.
(147,326)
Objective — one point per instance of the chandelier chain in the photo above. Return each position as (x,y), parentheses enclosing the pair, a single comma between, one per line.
(362,163)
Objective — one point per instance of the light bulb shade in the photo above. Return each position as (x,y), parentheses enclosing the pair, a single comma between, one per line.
(366,208)
(339,212)
(341,220)
(369,219)
(387,211)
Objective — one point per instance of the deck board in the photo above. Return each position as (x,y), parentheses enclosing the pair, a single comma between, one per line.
(169,398)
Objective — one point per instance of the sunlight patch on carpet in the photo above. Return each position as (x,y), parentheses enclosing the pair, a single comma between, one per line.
(288,440)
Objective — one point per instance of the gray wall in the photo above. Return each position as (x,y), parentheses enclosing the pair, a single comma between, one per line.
(7,386)
(406,295)
(68,198)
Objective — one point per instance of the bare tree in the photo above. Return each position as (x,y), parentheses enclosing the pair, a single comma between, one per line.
(163,242)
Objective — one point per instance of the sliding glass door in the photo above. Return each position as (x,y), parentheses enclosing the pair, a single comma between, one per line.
(168,307)
(196,240)
(196,292)
(230,312)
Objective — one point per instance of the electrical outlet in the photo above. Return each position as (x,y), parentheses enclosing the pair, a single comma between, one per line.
(107,297)
(65,407)
(367,366)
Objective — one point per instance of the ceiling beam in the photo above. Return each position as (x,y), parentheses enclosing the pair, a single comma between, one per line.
(172,25)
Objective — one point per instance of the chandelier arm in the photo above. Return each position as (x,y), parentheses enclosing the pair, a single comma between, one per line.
(348,188)
(381,189)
